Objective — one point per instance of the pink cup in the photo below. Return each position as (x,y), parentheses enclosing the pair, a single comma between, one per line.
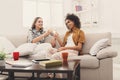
(15,55)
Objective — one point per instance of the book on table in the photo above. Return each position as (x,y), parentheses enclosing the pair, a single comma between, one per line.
(51,63)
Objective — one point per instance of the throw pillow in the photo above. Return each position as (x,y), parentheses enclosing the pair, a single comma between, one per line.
(102,43)
(43,46)
(26,49)
(42,51)
(39,55)
(6,45)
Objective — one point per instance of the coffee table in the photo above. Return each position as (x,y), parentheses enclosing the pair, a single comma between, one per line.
(71,68)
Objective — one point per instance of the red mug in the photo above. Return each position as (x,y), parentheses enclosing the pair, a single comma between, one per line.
(65,56)
(15,55)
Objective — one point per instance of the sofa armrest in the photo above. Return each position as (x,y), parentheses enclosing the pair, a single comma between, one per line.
(107,52)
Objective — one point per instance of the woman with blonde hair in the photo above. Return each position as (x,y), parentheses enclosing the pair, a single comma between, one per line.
(37,34)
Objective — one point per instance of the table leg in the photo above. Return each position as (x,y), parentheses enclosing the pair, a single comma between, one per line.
(77,72)
(69,75)
(11,75)
(54,75)
(38,76)
(33,76)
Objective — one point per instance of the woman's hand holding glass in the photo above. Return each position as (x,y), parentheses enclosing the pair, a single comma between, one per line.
(61,48)
(48,32)
(55,34)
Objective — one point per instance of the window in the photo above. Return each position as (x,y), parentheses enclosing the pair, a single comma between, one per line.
(50,10)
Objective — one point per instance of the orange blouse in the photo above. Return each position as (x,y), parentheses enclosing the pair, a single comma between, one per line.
(78,36)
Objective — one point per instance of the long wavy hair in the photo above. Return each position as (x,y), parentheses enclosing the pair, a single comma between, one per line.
(33,25)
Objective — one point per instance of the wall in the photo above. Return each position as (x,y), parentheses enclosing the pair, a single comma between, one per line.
(108,18)
(67,7)
(108,14)
(11,17)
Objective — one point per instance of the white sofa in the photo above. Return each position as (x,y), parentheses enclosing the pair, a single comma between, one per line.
(99,67)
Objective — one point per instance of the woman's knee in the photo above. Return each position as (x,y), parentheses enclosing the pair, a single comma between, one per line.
(56,56)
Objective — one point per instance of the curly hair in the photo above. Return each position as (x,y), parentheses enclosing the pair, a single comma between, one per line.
(75,19)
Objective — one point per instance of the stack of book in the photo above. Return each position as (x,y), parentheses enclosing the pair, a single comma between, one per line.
(51,63)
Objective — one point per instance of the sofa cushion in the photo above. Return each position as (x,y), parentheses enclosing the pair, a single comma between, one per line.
(100,44)
(87,61)
(6,45)
(18,39)
(91,38)
(106,53)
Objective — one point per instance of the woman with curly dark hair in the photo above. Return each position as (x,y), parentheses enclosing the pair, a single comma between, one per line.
(73,40)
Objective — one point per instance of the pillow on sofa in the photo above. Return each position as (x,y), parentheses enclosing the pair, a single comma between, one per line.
(6,45)
(106,53)
(41,51)
(43,46)
(39,55)
(26,49)
(102,43)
